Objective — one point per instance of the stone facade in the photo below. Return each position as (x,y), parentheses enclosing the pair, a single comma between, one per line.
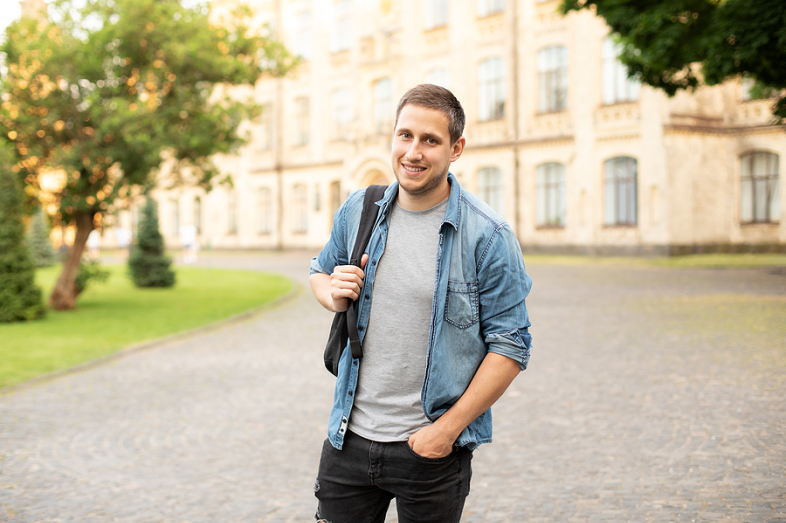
(327,127)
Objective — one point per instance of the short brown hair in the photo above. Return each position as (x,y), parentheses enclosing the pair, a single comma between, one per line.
(433,96)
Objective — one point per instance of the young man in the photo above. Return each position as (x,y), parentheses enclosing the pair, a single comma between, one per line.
(443,324)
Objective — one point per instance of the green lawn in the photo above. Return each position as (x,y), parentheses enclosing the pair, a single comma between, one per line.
(113,315)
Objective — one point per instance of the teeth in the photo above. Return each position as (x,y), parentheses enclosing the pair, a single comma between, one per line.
(414,169)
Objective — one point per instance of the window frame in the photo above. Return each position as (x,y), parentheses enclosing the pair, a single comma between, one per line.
(771,188)
(550,188)
(341,35)
(437,13)
(303,44)
(302,121)
(299,209)
(383,105)
(438,76)
(490,7)
(621,189)
(490,185)
(265,213)
(341,112)
(491,89)
(552,64)
(621,89)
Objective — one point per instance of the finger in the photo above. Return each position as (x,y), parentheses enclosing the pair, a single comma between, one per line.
(363,260)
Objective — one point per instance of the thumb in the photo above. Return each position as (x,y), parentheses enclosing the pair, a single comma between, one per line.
(363,261)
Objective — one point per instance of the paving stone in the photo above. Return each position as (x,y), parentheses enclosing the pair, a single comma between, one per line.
(636,407)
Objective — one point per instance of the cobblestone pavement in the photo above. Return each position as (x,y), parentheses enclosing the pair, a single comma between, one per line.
(652,395)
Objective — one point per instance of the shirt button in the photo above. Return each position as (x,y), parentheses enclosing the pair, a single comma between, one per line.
(374,262)
(368,297)
(360,328)
(350,393)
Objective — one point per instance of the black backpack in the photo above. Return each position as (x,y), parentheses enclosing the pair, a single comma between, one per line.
(345,325)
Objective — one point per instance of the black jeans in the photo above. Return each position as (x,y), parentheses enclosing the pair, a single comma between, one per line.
(356,484)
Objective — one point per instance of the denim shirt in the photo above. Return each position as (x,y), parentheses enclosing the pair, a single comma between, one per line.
(478,306)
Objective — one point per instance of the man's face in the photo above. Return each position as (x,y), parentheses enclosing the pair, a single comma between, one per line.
(421,156)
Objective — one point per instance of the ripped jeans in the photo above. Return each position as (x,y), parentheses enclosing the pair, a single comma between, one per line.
(356,484)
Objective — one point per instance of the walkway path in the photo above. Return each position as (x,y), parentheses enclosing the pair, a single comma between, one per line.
(652,395)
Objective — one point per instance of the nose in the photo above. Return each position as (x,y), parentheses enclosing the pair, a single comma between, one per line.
(414,153)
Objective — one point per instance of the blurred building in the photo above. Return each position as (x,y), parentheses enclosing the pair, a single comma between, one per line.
(574,155)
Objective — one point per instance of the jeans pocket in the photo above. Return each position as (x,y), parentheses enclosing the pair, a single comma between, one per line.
(461,306)
(424,459)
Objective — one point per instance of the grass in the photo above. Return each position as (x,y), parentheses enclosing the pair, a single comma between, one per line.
(697,260)
(115,314)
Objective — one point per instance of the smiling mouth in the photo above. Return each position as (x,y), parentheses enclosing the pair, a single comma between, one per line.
(414,169)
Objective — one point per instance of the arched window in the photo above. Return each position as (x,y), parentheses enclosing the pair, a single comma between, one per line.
(550,207)
(552,79)
(490,188)
(759,188)
(491,80)
(620,199)
(617,87)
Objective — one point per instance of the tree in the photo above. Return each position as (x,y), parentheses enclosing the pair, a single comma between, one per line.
(20,299)
(38,242)
(104,93)
(148,265)
(664,40)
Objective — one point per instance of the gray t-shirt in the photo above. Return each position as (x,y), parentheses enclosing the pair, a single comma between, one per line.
(387,403)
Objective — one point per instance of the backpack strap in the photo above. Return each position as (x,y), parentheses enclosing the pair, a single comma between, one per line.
(367,219)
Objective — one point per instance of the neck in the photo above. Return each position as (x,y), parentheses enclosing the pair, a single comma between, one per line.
(421,202)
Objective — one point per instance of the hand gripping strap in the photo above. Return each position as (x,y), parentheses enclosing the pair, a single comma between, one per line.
(367,220)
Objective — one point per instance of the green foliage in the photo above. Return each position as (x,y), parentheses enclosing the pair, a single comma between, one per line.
(89,270)
(20,298)
(148,265)
(107,88)
(727,38)
(39,243)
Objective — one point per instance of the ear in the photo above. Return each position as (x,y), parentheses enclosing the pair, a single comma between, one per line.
(458,148)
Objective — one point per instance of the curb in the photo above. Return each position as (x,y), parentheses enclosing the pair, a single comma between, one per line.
(297,289)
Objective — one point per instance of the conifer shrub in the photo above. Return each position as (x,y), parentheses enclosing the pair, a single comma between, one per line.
(148,265)
(38,242)
(20,298)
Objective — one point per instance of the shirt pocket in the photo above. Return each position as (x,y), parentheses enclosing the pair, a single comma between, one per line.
(461,306)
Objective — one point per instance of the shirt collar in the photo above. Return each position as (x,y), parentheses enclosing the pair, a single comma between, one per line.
(452,214)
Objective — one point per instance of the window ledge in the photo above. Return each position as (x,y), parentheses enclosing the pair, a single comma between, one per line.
(621,226)
(549,227)
(759,224)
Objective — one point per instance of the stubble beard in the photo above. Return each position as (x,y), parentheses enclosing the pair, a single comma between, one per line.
(431,184)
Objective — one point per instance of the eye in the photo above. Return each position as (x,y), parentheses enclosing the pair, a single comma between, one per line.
(431,141)
(404,134)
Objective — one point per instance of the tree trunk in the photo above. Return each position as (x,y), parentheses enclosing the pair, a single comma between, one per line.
(63,296)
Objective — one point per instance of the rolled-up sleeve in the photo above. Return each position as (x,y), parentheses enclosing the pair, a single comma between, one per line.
(503,288)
